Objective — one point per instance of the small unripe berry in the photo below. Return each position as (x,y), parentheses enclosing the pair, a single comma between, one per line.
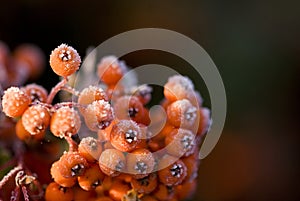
(15,102)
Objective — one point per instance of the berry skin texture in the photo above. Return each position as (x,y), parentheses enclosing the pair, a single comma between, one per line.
(98,115)
(112,162)
(180,142)
(72,164)
(15,102)
(36,93)
(65,121)
(64,60)
(118,190)
(54,192)
(182,114)
(125,135)
(204,121)
(90,94)
(172,175)
(129,107)
(36,119)
(24,135)
(110,70)
(140,163)
(163,192)
(178,87)
(90,149)
(58,178)
(91,178)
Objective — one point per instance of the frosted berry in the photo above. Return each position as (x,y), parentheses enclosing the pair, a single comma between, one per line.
(125,135)
(91,178)
(112,162)
(90,148)
(15,102)
(98,115)
(182,113)
(55,192)
(72,164)
(59,178)
(36,119)
(36,93)
(64,60)
(178,87)
(65,121)
(110,70)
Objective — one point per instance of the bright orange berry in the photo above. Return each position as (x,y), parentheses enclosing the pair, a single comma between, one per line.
(55,192)
(163,192)
(186,190)
(180,142)
(36,119)
(58,178)
(110,70)
(90,149)
(148,198)
(191,163)
(182,114)
(72,164)
(104,198)
(21,132)
(125,135)
(98,115)
(173,174)
(36,92)
(64,60)
(118,190)
(15,102)
(83,195)
(112,162)
(140,163)
(91,178)
(65,121)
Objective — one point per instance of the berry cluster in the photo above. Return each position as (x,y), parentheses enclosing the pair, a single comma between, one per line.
(114,153)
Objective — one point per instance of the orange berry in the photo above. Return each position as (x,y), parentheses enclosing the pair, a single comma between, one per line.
(15,102)
(36,119)
(90,94)
(172,175)
(104,134)
(98,115)
(125,135)
(186,190)
(72,164)
(140,163)
(64,60)
(90,149)
(21,132)
(118,190)
(55,192)
(36,92)
(180,142)
(163,192)
(58,178)
(178,87)
(65,121)
(191,163)
(182,114)
(83,195)
(204,122)
(110,70)
(91,178)
(145,185)
(112,162)
(129,107)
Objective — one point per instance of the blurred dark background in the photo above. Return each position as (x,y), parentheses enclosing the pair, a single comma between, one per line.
(255,45)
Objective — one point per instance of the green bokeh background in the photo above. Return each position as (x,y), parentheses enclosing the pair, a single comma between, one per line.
(255,45)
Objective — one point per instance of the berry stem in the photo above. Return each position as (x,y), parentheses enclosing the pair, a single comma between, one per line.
(70,90)
(72,144)
(56,89)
